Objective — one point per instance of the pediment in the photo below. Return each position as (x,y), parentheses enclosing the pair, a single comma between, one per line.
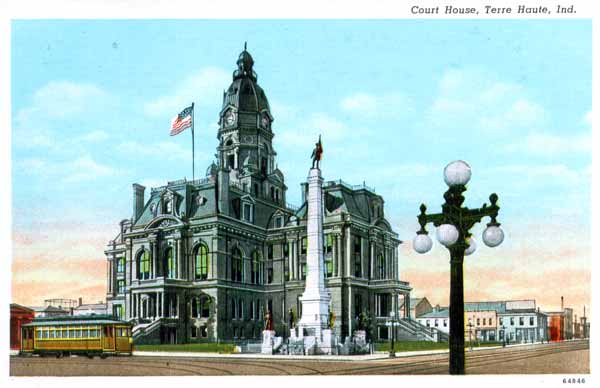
(164,221)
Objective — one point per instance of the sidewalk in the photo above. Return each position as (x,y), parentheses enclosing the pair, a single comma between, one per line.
(362,357)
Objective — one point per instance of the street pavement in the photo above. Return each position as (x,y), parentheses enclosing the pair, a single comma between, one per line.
(570,357)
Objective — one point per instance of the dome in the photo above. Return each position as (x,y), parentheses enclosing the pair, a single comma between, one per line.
(244,92)
(211,171)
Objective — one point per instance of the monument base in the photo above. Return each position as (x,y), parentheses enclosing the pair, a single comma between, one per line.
(324,344)
(270,342)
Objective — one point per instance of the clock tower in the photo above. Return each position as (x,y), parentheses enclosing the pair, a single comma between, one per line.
(245,135)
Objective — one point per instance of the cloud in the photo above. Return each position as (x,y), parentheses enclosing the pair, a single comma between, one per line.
(317,124)
(83,168)
(204,88)
(587,119)
(556,173)
(62,99)
(94,136)
(387,104)
(473,100)
(537,143)
(55,105)
(167,150)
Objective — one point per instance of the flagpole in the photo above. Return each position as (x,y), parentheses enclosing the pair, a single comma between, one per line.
(193,156)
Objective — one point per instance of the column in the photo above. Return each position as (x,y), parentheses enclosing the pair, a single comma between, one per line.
(153,252)
(363,270)
(177,306)
(372,258)
(156,305)
(132,311)
(177,259)
(334,254)
(290,259)
(407,305)
(109,289)
(348,252)
(138,308)
(349,311)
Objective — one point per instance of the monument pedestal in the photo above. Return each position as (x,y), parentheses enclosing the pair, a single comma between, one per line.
(268,341)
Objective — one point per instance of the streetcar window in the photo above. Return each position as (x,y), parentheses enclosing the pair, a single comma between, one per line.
(45,333)
(93,333)
(77,332)
(39,333)
(51,333)
(65,333)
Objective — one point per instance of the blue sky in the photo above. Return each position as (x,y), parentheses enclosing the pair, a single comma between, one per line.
(395,101)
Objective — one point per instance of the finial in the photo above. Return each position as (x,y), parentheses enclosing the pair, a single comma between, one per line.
(244,46)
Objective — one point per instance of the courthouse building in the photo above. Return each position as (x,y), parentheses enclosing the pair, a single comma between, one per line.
(203,260)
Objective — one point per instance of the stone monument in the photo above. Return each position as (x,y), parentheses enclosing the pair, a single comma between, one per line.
(313,326)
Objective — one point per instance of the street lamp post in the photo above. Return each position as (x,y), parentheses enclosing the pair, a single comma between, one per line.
(503,336)
(392,353)
(453,225)
(470,338)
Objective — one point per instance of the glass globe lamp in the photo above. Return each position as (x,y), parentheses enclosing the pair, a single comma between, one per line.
(457,173)
(422,243)
(472,246)
(447,234)
(493,236)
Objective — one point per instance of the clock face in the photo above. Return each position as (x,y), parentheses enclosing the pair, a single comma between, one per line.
(230,118)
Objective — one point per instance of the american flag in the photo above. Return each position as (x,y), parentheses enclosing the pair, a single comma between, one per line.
(182,121)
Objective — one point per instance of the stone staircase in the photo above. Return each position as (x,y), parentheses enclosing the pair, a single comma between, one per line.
(411,330)
(143,330)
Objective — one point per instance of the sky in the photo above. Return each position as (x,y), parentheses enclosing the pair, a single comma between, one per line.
(394,101)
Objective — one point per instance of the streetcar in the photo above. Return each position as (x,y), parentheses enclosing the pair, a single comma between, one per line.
(88,335)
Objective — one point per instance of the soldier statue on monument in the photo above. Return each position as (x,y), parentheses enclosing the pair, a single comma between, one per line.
(291,319)
(317,153)
(268,321)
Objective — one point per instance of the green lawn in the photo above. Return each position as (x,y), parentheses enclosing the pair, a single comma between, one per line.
(411,346)
(209,347)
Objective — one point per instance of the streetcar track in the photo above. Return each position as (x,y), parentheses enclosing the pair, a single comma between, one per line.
(444,358)
(203,366)
(145,365)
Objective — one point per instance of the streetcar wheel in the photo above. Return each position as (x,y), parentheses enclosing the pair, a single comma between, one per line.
(103,356)
(59,354)
(90,356)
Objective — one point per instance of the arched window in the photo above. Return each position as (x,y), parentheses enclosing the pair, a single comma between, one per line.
(201,307)
(256,268)
(381,265)
(236,265)
(171,263)
(204,306)
(201,262)
(143,262)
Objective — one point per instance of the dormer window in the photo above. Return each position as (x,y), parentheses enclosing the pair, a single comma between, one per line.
(248,212)
(168,207)
(279,222)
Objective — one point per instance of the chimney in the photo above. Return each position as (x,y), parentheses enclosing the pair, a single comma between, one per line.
(138,201)
(562,304)
(80,301)
(223,191)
